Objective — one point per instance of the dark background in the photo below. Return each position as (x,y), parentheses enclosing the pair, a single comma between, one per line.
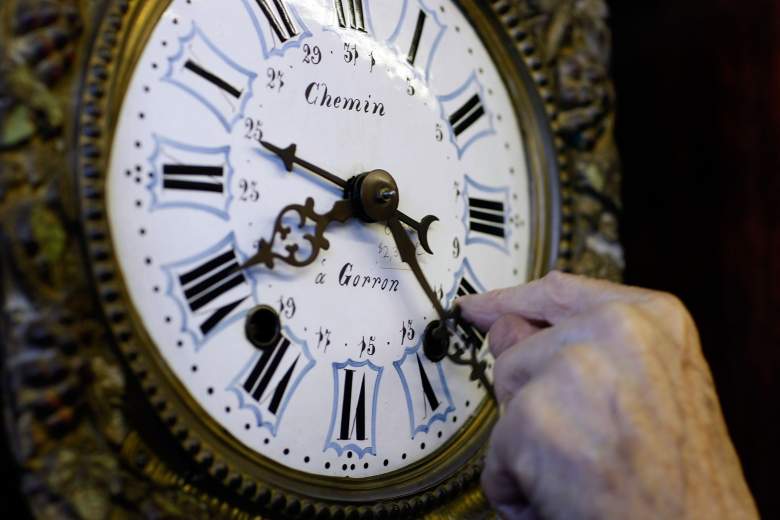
(699,132)
(698,83)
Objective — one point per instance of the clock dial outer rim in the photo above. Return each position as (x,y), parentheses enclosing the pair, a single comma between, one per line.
(124,29)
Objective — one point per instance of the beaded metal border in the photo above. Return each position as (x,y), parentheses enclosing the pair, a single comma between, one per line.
(91,146)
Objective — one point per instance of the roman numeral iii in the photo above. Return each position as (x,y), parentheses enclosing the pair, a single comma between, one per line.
(486,211)
(487,216)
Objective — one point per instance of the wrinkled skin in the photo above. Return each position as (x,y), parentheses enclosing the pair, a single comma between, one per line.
(608,409)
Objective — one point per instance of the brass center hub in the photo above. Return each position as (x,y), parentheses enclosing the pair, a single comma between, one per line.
(374,195)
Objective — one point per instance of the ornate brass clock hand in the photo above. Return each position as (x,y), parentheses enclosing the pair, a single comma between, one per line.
(436,340)
(290,158)
(341,212)
(409,256)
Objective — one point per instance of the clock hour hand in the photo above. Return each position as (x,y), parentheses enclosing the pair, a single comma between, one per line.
(290,158)
(341,212)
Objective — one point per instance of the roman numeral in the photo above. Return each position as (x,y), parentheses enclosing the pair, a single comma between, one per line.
(352,17)
(418,34)
(430,395)
(190,177)
(208,75)
(487,216)
(418,29)
(468,331)
(469,119)
(486,211)
(183,177)
(212,78)
(353,425)
(278,18)
(425,387)
(467,115)
(353,419)
(269,366)
(208,283)
(268,381)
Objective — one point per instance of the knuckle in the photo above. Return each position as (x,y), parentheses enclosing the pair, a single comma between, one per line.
(559,288)
(625,325)
(622,318)
(673,318)
(668,303)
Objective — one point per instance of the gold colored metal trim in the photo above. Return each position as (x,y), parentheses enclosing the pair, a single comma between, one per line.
(124,32)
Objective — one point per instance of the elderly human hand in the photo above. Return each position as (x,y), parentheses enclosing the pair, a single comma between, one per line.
(608,409)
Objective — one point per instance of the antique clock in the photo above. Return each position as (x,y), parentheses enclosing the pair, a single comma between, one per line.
(236,231)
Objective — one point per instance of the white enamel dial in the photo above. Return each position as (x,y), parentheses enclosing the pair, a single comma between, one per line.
(403,86)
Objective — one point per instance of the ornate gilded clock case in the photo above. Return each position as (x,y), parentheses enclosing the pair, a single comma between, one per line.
(93,429)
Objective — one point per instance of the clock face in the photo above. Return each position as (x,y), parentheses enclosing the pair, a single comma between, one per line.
(404,86)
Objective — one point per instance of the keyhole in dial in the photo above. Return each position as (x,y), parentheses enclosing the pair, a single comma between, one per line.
(436,341)
(263,327)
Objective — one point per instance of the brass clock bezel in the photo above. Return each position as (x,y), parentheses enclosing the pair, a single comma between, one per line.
(124,30)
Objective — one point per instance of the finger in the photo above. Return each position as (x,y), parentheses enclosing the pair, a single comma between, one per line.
(507,331)
(551,299)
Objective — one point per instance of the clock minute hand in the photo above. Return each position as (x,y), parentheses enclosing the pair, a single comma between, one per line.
(409,256)
(290,158)
(437,336)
